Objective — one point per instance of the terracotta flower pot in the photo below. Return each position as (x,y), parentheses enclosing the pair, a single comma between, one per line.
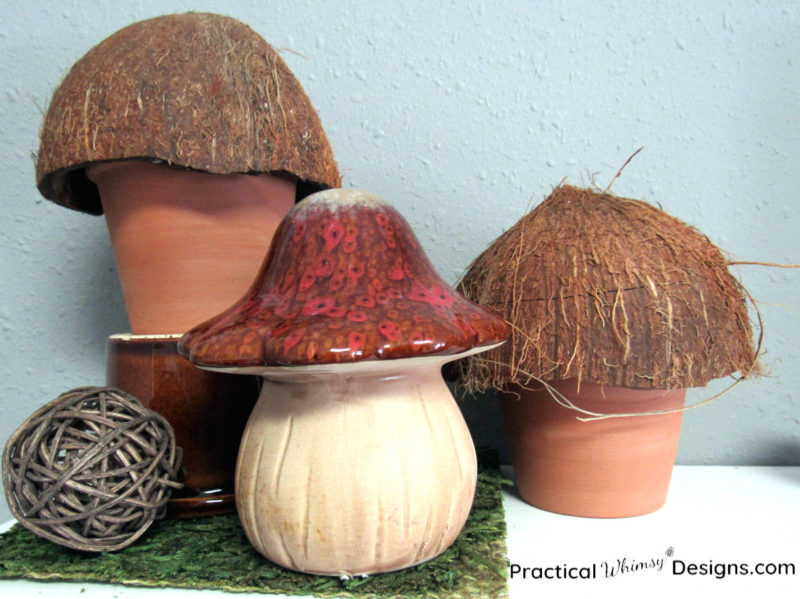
(207,410)
(606,468)
(187,244)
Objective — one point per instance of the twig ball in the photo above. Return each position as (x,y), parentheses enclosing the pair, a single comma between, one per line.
(91,470)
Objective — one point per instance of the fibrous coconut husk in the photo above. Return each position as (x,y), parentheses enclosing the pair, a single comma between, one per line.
(612,291)
(200,91)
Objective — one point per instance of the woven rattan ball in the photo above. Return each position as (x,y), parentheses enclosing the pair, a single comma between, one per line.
(91,470)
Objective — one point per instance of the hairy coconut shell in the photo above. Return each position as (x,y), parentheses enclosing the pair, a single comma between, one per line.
(611,291)
(195,90)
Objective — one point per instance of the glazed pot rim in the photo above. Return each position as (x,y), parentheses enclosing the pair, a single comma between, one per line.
(147,338)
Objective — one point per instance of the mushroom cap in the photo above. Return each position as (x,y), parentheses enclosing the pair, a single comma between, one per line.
(612,291)
(196,90)
(345,280)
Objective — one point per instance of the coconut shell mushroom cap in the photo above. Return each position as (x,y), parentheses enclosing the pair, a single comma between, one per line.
(345,280)
(196,90)
(612,291)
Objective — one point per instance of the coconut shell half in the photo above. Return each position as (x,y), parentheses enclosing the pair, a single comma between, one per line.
(611,291)
(200,91)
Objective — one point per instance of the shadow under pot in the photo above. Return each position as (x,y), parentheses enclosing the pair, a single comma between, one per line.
(207,410)
(609,468)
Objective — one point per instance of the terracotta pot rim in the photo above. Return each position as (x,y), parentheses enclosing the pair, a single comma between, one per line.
(625,395)
(554,382)
(100,167)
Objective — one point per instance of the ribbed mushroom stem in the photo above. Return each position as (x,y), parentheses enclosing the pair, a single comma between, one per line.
(359,469)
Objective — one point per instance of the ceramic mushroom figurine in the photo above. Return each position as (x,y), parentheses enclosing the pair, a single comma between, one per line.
(619,307)
(356,459)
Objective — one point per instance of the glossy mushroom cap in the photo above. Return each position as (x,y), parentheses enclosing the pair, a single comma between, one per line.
(197,90)
(345,280)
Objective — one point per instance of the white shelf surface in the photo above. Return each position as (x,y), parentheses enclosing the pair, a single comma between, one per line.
(715,517)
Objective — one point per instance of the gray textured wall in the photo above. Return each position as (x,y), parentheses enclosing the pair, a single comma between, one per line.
(461,117)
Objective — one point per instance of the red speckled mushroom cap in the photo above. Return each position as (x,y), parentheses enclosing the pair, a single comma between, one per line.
(345,280)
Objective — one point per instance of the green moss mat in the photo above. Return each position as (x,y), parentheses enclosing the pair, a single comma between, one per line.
(206,553)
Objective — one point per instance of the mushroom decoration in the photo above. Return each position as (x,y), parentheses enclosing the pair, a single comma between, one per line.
(190,132)
(618,307)
(193,137)
(356,459)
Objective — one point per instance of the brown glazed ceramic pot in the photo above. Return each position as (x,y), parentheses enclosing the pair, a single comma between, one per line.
(187,244)
(207,410)
(608,468)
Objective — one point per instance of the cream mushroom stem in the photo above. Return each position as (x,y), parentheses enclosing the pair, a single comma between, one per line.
(355,468)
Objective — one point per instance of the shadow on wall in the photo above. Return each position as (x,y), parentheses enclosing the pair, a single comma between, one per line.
(108,316)
(86,304)
(485,420)
(779,453)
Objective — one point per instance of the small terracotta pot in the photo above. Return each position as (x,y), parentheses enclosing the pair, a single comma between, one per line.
(187,244)
(609,468)
(207,410)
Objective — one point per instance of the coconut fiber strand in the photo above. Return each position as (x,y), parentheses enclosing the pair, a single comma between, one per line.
(609,290)
(213,553)
(195,90)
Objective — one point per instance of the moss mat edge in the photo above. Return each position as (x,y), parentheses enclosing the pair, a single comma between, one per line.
(213,553)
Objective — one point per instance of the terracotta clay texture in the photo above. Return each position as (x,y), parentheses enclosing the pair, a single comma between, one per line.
(187,244)
(609,468)
(207,411)
(196,90)
(345,280)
